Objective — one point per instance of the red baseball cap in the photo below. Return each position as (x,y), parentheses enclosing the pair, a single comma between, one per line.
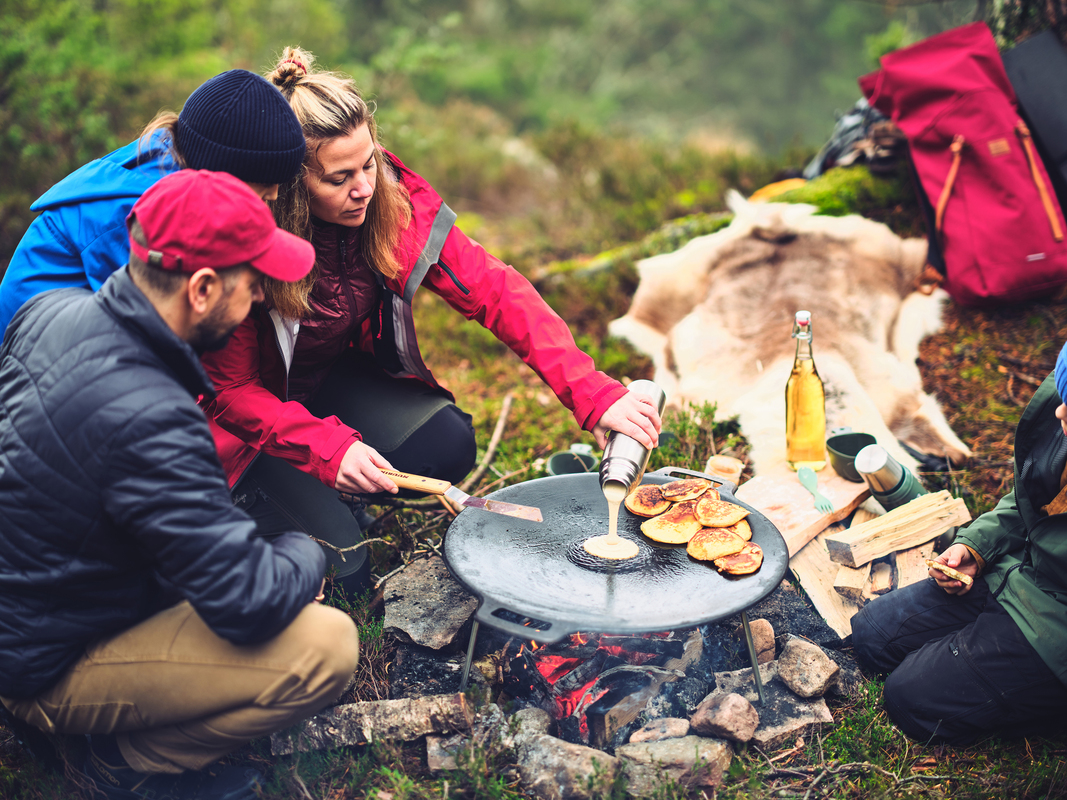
(196,218)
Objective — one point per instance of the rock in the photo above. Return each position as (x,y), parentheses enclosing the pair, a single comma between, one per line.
(527,722)
(659,729)
(441,751)
(691,761)
(762,639)
(785,715)
(806,669)
(553,769)
(726,716)
(425,605)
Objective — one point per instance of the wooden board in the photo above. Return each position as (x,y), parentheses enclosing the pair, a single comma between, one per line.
(816,573)
(779,495)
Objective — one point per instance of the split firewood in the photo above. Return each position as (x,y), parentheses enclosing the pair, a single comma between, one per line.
(921,520)
(361,723)
(881,578)
(911,564)
(850,583)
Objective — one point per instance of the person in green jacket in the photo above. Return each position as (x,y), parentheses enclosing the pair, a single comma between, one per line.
(990,657)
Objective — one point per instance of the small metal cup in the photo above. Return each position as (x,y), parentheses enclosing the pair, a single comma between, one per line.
(890,483)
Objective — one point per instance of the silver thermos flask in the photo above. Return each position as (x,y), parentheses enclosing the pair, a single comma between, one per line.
(891,483)
(625,458)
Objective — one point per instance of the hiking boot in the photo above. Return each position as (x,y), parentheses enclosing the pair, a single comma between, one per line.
(212,783)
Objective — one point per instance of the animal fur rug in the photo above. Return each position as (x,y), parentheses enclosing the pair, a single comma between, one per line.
(716,317)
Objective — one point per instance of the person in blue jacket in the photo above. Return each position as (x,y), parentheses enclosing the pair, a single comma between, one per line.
(237,122)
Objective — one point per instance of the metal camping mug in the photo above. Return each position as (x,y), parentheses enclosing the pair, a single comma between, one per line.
(891,484)
(625,458)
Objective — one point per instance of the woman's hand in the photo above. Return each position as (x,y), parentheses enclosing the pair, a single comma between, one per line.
(360,472)
(960,559)
(633,414)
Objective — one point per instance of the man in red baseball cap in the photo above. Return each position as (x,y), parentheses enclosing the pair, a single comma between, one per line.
(139,605)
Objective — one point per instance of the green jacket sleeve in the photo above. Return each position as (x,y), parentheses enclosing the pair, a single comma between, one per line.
(996,532)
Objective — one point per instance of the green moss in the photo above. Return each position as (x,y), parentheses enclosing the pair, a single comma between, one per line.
(854,190)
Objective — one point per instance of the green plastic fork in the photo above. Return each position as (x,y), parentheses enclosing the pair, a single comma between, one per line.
(811,483)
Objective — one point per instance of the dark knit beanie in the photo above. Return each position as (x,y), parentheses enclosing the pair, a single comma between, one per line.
(239,123)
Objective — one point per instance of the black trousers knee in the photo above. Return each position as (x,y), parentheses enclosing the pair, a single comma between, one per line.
(417,428)
(959,667)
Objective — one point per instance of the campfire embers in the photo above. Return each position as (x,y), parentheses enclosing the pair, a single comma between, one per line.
(597,686)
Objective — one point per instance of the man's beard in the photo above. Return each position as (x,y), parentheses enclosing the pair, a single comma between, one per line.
(213,331)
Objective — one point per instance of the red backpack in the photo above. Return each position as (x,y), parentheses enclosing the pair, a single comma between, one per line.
(996,220)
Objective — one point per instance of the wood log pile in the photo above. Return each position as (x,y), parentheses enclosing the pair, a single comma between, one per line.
(842,568)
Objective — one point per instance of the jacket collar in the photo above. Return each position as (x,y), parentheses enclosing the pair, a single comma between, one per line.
(125,302)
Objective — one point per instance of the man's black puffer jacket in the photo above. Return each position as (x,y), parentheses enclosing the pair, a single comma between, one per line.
(110,487)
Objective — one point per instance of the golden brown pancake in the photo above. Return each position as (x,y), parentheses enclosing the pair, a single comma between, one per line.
(742,529)
(715,513)
(647,501)
(676,525)
(711,543)
(688,489)
(748,560)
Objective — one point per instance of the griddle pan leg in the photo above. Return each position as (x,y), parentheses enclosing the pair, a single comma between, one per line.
(470,655)
(751,658)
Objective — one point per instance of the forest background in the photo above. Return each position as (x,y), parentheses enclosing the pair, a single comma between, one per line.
(547,112)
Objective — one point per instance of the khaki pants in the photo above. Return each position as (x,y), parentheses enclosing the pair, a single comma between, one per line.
(179,697)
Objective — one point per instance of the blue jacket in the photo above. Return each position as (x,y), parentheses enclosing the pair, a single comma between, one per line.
(113,502)
(80,238)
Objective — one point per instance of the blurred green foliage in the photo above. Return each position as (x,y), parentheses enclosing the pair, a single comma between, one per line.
(543,110)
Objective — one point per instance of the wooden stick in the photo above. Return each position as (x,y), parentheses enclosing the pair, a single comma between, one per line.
(490,450)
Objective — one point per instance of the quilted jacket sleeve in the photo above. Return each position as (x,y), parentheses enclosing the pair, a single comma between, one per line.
(245,407)
(483,288)
(165,487)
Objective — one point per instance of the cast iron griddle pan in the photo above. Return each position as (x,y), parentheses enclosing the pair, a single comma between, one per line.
(536,581)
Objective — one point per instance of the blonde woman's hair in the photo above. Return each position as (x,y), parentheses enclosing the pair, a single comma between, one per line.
(166,121)
(329,105)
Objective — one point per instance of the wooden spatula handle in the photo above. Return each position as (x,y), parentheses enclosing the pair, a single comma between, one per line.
(417,482)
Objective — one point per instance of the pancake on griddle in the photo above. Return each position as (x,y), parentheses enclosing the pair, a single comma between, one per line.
(647,501)
(716,513)
(676,525)
(707,544)
(687,489)
(742,529)
(748,560)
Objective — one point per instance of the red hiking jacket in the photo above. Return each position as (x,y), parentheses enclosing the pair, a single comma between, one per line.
(251,413)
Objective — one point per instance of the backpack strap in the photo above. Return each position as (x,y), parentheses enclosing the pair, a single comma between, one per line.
(1046,200)
(957,148)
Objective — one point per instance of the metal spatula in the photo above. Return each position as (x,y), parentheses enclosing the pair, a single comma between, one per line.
(456,495)
(811,483)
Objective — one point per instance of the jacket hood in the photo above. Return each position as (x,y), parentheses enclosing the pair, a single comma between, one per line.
(122,173)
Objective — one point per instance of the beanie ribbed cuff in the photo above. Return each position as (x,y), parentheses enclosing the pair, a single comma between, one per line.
(251,166)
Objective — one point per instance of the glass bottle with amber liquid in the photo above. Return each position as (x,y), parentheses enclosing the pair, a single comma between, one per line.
(805,404)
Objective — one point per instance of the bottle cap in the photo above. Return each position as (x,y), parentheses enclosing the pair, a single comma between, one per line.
(803,317)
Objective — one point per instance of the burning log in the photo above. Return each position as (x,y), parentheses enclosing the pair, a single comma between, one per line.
(672,648)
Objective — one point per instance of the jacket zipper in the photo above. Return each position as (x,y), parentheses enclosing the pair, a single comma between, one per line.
(452,275)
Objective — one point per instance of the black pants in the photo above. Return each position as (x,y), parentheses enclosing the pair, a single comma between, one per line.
(417,428)
(959,667)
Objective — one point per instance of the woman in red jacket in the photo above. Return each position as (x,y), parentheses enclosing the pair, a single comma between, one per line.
(325,385)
